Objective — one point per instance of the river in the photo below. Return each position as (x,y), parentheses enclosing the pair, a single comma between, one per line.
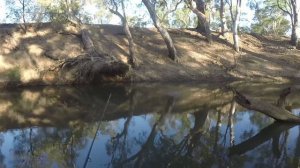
(145,125)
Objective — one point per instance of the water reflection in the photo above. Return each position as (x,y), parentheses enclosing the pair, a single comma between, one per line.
(145,126)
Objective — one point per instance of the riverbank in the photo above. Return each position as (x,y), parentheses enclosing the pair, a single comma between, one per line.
(31,58)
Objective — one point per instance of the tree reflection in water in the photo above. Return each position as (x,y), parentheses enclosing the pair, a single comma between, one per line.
(145,126)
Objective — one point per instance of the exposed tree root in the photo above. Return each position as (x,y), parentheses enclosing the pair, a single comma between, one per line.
(83,69)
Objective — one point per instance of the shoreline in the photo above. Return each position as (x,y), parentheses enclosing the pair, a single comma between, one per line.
(27,59)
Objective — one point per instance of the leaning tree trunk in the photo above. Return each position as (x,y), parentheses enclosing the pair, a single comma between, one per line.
(294,36)
(91,66)
(132,59)
(278,113)
(200,6)
(202,18)
(164,33)
(131,45)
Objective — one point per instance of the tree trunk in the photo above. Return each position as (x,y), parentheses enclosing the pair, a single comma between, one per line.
(23,17)
(222,18)
(235,37)
(235,19)
(131,45)
(88,44)
(200,6)
(202,18)
(92,66)
(294,36)
(268,109)
(164,33)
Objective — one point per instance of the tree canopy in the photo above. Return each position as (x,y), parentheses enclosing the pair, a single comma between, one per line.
(265,17)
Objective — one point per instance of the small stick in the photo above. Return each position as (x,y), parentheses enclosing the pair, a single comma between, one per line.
(95,135)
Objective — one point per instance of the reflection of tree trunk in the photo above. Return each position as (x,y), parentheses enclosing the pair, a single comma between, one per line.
(196,131)
(163,32)
(264,135)
(296,159)
(30,143)
(231,124)
(69,151)
(140,156)
(96,132)
(218,126)
(275,146)
(123,135)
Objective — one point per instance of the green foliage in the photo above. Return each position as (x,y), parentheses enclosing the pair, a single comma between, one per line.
(14,74)
(62,11)
(269,20)
(137,21)
(183,18)
(174,14)
(21,11)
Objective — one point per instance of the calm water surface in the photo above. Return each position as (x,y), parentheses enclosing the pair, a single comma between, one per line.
(156,125)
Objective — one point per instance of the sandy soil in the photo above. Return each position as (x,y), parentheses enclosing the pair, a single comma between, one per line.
(27,58)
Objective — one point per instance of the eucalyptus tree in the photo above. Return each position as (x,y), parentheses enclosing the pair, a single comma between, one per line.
(166,9)
(64,10)
(21,11)
(222,17)
(199,10)
(151,7)
(114,8)
(235,18)
(291,8)
(268,20)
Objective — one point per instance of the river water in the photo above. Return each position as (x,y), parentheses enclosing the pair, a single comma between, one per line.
(154,125)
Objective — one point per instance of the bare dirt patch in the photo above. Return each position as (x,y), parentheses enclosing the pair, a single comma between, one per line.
(27,58)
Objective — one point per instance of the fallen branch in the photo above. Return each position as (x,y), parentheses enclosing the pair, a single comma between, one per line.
(91,66)
(268,109)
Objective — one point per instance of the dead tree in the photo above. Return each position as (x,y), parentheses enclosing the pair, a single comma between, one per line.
(163,32)
(92,65)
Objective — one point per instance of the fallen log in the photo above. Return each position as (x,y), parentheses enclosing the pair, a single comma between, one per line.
(91,66)
(278,113)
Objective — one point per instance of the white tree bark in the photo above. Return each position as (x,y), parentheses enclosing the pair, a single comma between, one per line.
(235,17)
(164,33)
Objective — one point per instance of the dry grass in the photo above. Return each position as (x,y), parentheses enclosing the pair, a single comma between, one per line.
(262,58)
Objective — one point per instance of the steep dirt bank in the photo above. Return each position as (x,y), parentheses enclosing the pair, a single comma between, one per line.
(31,58)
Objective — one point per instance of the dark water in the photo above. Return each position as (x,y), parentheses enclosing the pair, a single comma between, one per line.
(157,125)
